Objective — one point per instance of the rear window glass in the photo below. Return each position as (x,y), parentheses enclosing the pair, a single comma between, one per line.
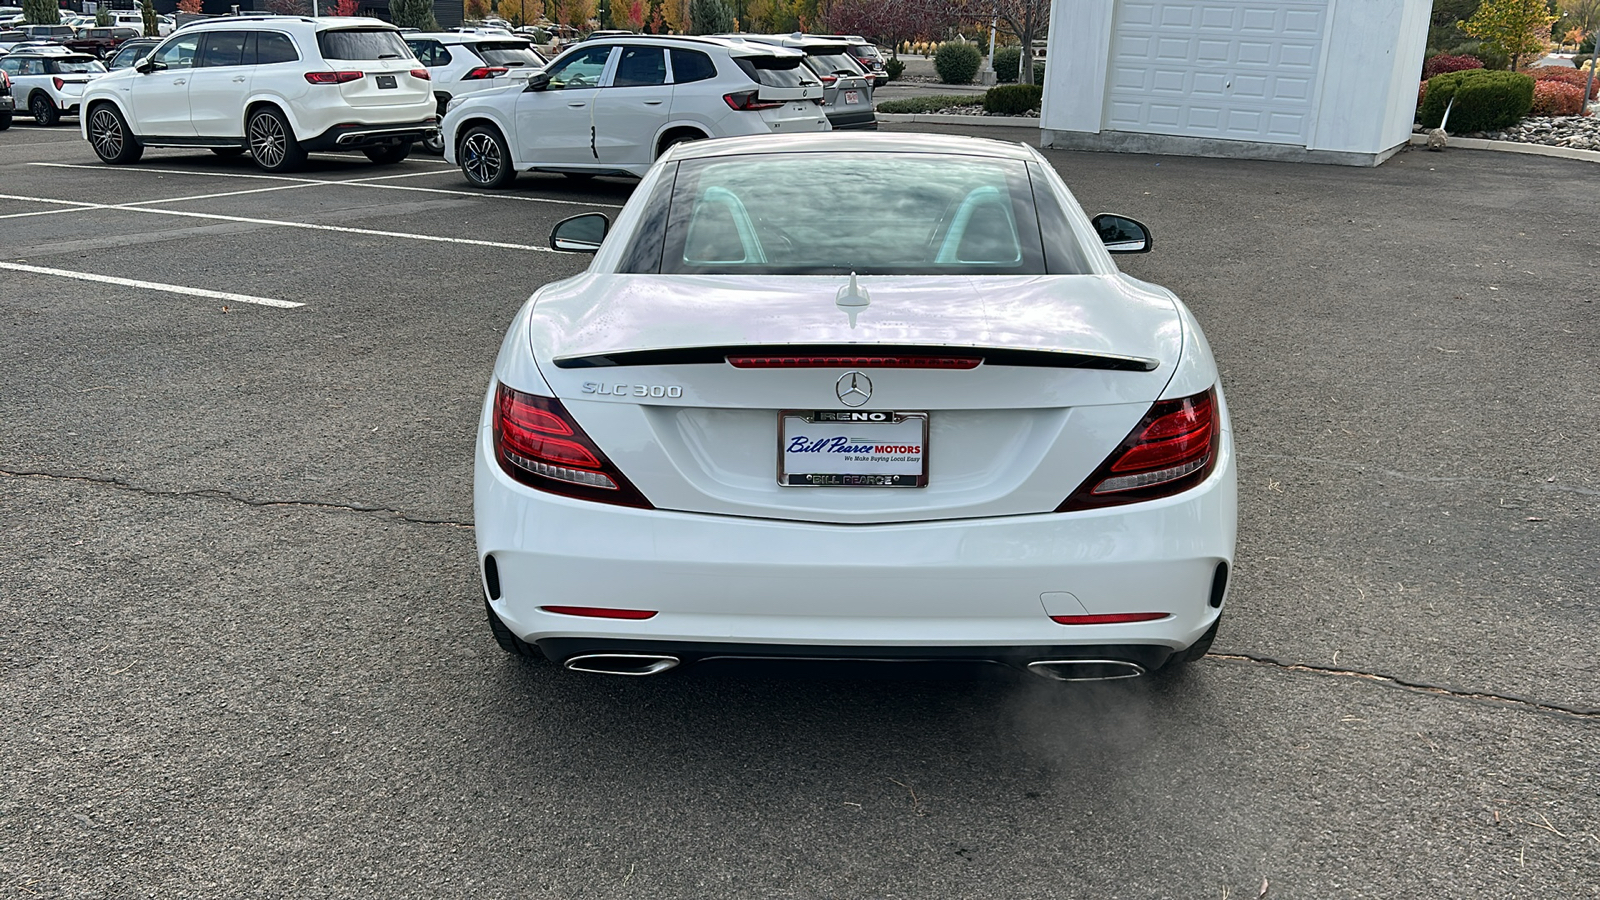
(691,65)
(911,214)
(774,71)
(75,66)
(362,43)
(508,53)
(834,64)
(273,47)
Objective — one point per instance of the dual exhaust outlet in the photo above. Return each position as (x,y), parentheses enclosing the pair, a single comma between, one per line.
(638,664)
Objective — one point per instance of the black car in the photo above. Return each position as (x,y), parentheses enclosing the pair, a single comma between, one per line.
(8,103)
(130,52)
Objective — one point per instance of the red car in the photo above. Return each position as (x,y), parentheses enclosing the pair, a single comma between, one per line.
(101,42)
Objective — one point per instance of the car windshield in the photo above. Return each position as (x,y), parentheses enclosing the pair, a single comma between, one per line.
(362,43)
(75,66)
(909,213)
(507,53)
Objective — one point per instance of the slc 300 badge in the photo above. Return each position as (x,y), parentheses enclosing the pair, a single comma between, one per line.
(654,391)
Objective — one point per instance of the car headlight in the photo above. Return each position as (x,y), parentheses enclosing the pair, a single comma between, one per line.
(454,102)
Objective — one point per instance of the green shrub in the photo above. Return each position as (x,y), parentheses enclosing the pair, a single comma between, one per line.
(1012,99)
(1007,63)
(1484,100)
(924,104)
(957,62)
(893,68)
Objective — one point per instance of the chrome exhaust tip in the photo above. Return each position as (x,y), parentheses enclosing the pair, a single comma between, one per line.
(1085,669)
(621,663)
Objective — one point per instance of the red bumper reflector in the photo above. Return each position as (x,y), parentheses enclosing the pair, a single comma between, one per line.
(600,612)
(1108,618)
(855,362)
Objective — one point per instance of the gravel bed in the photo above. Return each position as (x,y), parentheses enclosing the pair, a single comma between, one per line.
(1577,132)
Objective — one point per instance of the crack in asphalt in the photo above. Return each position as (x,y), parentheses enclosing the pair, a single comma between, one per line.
(1422,687)
(1249,658)
(219,494)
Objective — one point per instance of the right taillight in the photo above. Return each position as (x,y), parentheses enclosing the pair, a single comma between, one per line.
(749,100)
(1173,448)
(485,72)
(539,444)
(333,77)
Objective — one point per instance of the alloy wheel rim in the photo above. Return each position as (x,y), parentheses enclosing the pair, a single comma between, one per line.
(106,132)
(481,159)
(41,108)
(267,142)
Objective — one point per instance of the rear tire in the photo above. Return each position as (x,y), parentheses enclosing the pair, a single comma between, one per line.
(227,151)
(434,143)
(44,111)
(109,135)
(5,121)
(509,642)
(675,140)
(272,141)
(388,156)
(485,158)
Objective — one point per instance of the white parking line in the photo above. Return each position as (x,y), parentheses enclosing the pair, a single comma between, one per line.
(358,182)
(154,286)
(280,223)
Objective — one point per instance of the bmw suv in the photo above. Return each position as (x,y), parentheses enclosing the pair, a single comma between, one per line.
(277,86)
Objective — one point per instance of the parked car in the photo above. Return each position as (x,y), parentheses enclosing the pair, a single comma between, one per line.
(867,56)
(610,107)
(952,431)
(463,63)
(130,52)
(277,86)
(846,89)
(58,34)
(10,38)
(101,42)
(50,82)
(8,103)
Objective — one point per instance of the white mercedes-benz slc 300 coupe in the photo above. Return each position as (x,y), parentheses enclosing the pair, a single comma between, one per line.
(944,428)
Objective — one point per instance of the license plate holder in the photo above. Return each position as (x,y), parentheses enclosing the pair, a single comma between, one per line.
(852,448)
(851,98)
(386,81)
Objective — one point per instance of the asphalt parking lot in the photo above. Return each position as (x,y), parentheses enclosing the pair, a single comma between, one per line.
(245,653)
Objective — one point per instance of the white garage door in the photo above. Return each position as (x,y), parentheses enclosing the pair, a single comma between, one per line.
(1231,69)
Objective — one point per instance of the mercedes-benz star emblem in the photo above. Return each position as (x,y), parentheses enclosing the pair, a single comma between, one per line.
(854,388)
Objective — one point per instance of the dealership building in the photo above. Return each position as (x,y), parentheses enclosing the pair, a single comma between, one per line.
(1332,81)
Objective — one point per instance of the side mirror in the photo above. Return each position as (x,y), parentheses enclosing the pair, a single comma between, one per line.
(580,234)
(1122,235)
(538,81)
(147,65)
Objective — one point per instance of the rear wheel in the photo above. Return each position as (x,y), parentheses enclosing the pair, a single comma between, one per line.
(227,151)
(434,143)
(509,642)
(44,112)
(485,159)
(272,142)
(108,132)
(682,137)
(388,156)
(5,121)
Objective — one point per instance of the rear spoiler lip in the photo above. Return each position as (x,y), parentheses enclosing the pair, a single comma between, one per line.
(992,356)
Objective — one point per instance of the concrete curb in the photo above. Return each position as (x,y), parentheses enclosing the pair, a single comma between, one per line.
(940,119)
(1461,143)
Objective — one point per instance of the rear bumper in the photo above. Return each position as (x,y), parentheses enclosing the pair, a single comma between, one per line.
(970,589)
(358,137)
(854,121)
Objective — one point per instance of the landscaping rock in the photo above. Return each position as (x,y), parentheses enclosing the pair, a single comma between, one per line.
(1577,132)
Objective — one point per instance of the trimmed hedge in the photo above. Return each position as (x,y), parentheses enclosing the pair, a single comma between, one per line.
(957,62)
(1444,62)
(1552,98)
(1484,100)
(1012,99)
(925,104)
(1007,64)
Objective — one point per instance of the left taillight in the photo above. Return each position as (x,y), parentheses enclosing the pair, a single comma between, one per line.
(333,77)
(537,442)
(421,75)
(59,82)
(1173,448)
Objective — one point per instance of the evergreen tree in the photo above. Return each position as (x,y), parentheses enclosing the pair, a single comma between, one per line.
(41,12)
(147,12)
(710,17)
(413,14)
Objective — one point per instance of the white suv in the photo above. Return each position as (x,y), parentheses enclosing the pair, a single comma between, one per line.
(612,105)
(464,63)
(278,86)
